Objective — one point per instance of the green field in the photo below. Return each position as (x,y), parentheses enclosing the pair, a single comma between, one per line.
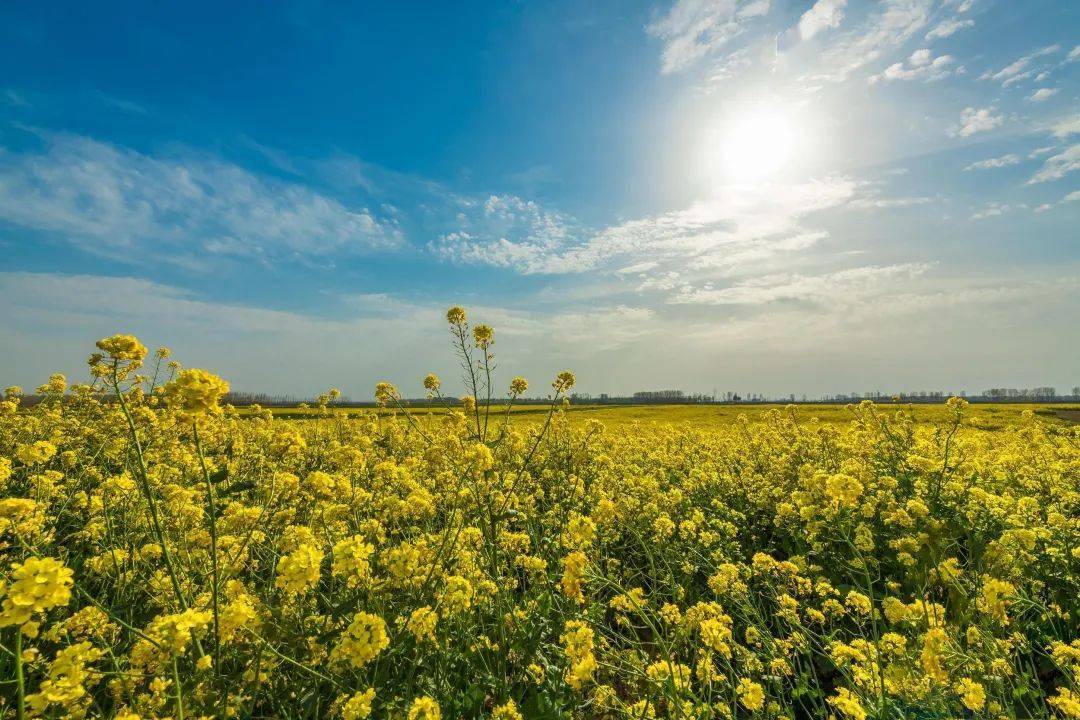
(990,416)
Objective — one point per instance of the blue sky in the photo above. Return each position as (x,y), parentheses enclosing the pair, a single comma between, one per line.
(755,195)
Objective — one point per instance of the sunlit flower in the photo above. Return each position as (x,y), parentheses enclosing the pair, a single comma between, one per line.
(37,585)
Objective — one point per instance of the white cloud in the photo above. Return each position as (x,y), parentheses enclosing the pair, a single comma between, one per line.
(1058,166)
(738,224)
(898,21)
(693,29)
(990,210)
(637,268)
(823,15)
(1073,55)
(998,162)
(873,202)
(1043,94)
(1065,128)
(727,67)
(1072,197)
(508,231)
(947,28)
(920,65)
(976,120)
(138,207)
(800,288)
(1020,69)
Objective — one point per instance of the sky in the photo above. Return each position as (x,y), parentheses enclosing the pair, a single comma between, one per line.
(761,196)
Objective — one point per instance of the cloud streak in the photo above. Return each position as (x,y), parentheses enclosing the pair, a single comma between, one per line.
(693,29)
(126,204)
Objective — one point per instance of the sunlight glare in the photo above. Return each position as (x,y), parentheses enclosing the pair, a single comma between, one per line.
(756,144)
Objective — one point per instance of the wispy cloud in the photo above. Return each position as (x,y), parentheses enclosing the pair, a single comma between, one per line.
(1058,166)
(989,210)
(1021,69)
(996,162)
(122,104)
(921,65)
(824,288)
(15,99)
(1067,127)
(693,29)
(1043,94)
(737,224)
(948,28)
(1070,198)
(883,32)
(977,120)
(140,207)
(510,232)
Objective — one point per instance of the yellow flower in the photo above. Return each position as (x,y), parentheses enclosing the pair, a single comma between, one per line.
(385,393)
(580,532)
(972,694)
(39,584)
(352,560)
(424,708)
(363,641)
(358,706)
(573,577)
(518,386)
(847,704)
(995,598)
(35,453)
(422,623)
(858,603)
(298,571)
(484,336)
(122,347)
(578,644)
(506,711)
(716,634)
(1067,703)
(564,381)
(751,695)
(932,661)
(196,393)
(844,489)
(65,683)
(456,315)
(663,672)
(173,632)
(456,596)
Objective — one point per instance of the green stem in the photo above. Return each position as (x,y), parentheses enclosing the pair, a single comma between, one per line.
(213,551)
(179,690)
(19,674)
(144,482)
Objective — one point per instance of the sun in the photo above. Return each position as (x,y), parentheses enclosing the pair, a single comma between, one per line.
(755,144)
(758,141)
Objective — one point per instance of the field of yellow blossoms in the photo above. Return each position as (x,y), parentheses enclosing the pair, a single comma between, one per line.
(165,557)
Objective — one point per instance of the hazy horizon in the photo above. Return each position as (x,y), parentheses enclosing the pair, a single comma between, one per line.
(748,195)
